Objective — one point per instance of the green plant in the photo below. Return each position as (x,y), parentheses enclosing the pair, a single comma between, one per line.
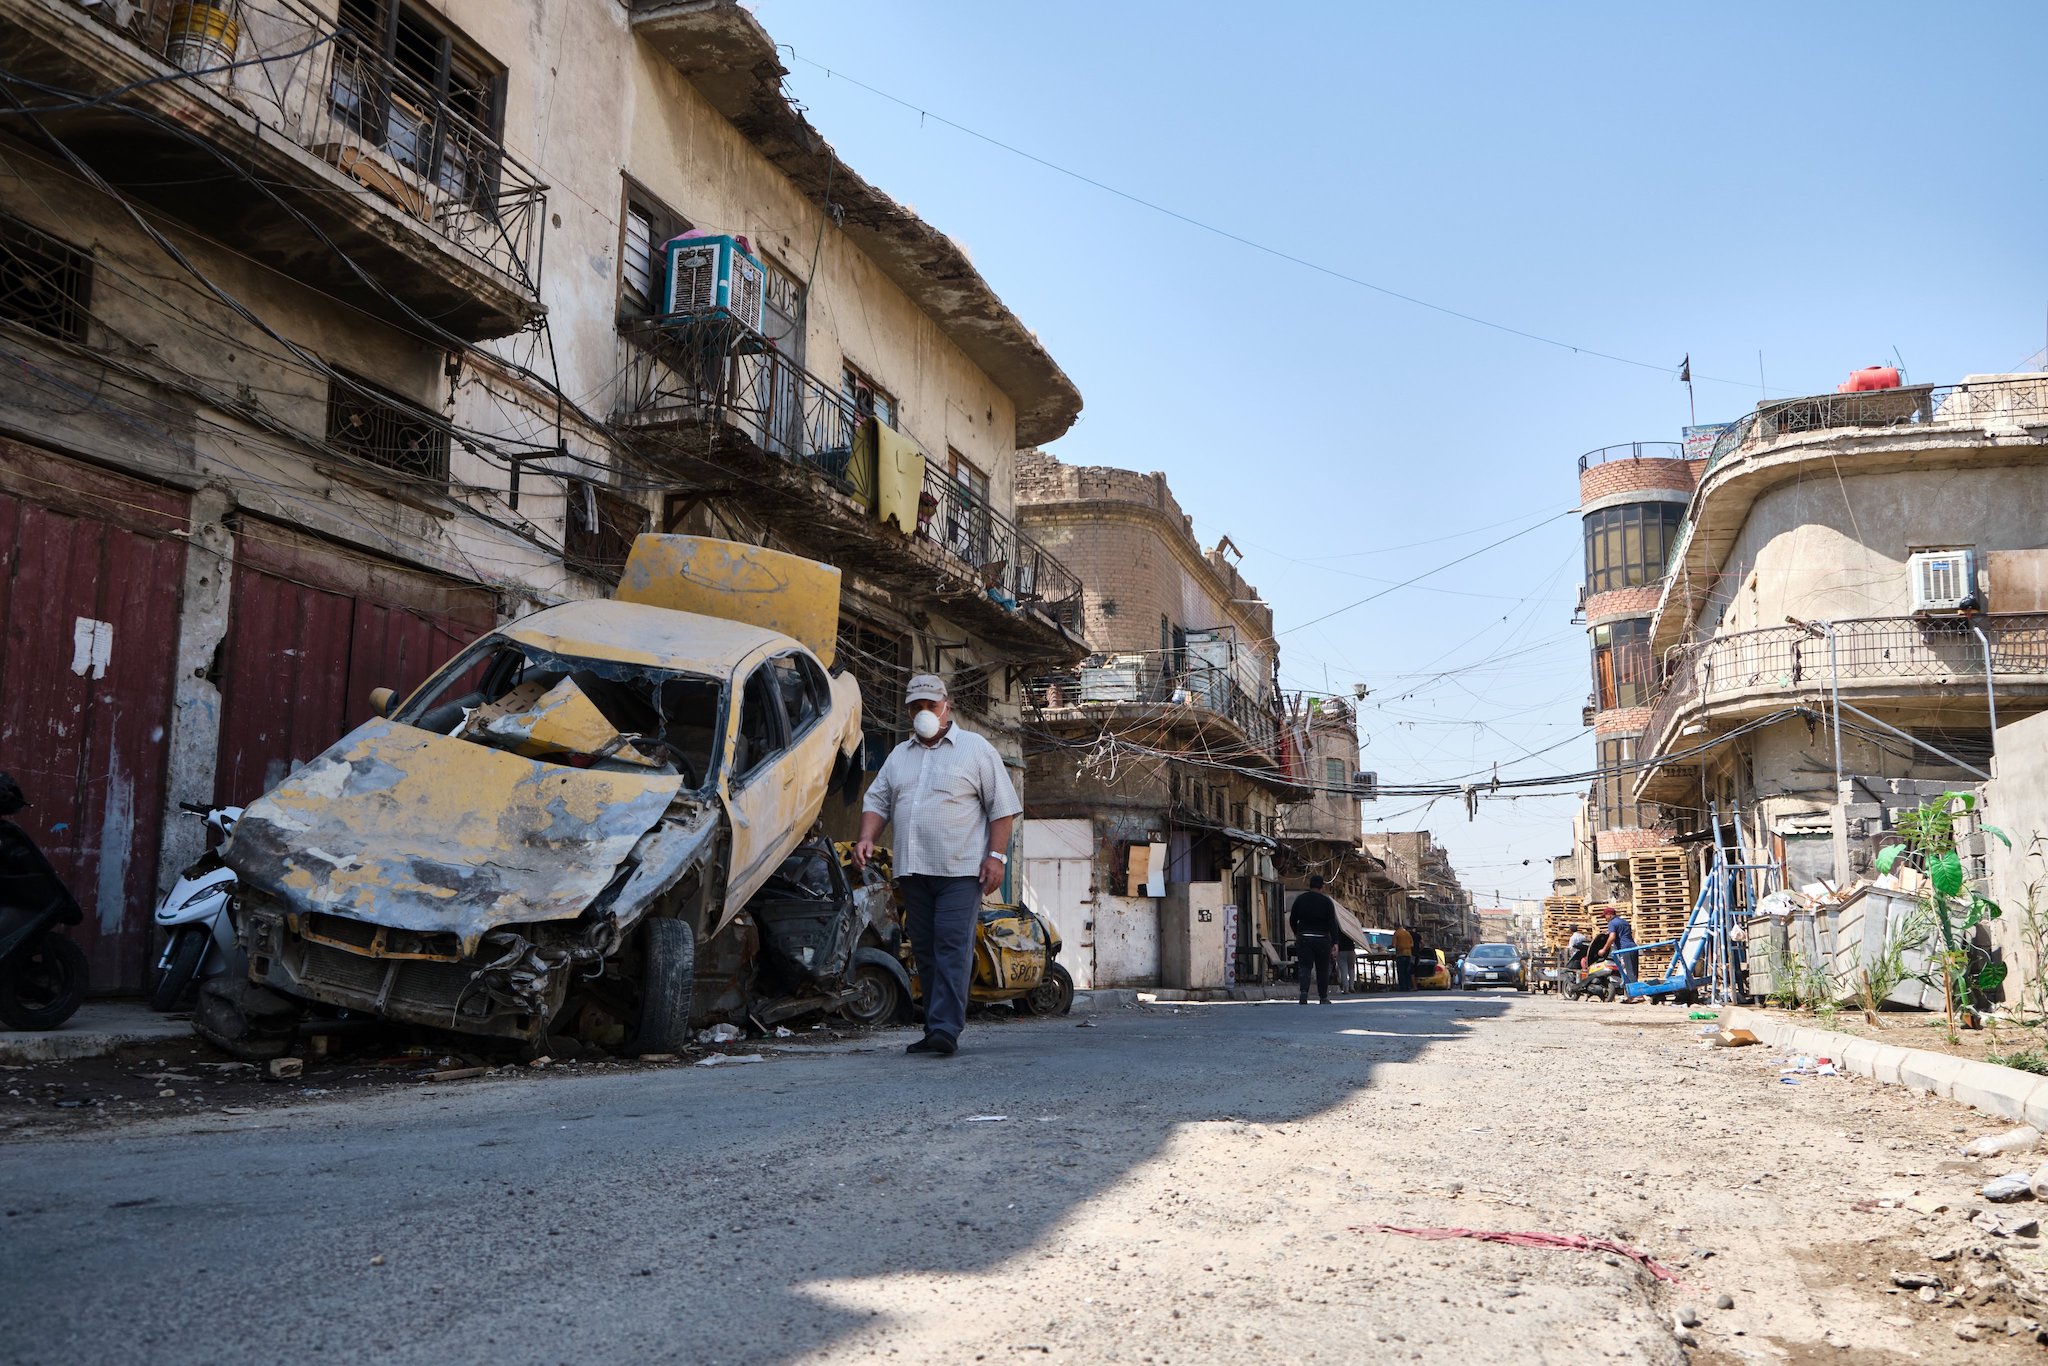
(2033,927)
(2022,1059)
(1929,836)
(1876,980)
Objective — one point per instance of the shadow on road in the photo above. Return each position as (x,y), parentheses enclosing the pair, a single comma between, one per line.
(679,1215)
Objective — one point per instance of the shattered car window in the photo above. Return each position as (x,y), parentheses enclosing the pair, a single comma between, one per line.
(584,713)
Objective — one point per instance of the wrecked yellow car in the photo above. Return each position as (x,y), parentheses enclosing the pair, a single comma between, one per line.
(578,800)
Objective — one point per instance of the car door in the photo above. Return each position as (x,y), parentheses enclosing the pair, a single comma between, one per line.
(813,739)
(758,804)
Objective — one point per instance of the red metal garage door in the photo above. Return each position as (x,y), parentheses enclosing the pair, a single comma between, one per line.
(313,627)
(88,643)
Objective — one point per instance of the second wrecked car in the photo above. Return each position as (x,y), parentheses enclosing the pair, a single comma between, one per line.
(581,797)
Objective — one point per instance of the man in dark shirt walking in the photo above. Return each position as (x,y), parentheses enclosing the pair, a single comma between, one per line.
(1314,921)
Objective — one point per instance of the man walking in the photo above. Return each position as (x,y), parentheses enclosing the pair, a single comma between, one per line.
(1404,957)
(952,806)
(1314,922)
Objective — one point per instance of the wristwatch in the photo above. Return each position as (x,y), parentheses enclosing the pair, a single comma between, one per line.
(999,858)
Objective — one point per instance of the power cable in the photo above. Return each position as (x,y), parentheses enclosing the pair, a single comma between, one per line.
(1225,233)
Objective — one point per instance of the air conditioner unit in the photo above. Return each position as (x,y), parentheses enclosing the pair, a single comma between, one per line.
(1943,580)
(1109,685)
(1366,786)
(708,276)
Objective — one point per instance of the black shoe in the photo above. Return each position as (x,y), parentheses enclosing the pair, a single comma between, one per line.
(1304,1000)
(941,1044)
(1326,1000)
(924,1045)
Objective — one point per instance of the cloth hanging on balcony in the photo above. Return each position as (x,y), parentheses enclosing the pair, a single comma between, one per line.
(899,476)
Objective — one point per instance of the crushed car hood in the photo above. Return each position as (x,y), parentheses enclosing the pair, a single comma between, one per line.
(412,830)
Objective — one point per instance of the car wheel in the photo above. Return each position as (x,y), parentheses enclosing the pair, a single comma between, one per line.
(877,996)
(669,981)
(188,949)
(40,988)
(1054,994)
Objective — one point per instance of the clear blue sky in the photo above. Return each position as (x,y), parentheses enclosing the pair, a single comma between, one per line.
(1818,183)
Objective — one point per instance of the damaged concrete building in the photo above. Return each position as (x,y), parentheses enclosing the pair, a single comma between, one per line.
(1858,598)
(1156,775)
(297,412)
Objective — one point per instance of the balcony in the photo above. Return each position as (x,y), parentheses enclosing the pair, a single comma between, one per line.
(314,155)
(718,411)
(1877,659)
(1632,450)
(1173,700)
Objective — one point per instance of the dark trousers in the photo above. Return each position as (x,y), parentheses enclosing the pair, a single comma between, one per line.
(1404,969)
(939,912)
(1312,955)
(1625,961)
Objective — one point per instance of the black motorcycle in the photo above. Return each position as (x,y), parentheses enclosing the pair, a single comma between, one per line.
(42,972)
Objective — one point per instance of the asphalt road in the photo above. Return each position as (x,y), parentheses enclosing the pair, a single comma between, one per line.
(1165,1185)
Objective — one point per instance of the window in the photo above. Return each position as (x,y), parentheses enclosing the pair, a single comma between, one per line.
(868,398)
(879,662)
(1626,546)
(969,525)
(1616,811)
(648,225)
(45,284)
(379,427)
(802,690)
(1335,779)
(403,82)
(598,529)
(782,299)
(761,724)
(1623,675)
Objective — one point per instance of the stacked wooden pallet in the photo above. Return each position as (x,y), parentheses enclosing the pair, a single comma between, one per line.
(1562,915)
(1662,884)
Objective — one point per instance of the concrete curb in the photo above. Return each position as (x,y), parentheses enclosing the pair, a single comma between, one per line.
(2001,1091)
(99,1028)
(1103,998)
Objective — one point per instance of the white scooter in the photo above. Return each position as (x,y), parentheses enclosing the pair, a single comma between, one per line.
(195,912)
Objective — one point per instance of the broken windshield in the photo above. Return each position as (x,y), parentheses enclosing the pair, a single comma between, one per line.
(565,709)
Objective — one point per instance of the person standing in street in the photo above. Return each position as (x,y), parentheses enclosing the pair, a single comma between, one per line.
(1622,942)
(952,806)
(1404,957)
(1314,922)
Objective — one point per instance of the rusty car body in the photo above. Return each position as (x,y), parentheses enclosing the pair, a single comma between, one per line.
(577,799)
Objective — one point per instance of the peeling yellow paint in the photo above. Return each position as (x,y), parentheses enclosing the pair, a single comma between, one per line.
(559,720)
(771,589)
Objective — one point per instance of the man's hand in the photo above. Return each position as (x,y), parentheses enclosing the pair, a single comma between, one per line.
(991,874)
(863,850)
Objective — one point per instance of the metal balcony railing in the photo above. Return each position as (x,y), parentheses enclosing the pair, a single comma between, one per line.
(2022,401)
(1632,450)
(1868,649)
(424,145)
(1172,678)
(1014,569)
(720,372)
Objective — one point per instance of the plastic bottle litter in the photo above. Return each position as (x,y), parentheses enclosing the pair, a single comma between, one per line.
(719,1033)
(2014,1186)
(2024,1139)
(2040,1184)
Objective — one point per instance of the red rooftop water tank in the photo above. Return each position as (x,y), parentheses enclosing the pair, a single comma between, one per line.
(1870,377)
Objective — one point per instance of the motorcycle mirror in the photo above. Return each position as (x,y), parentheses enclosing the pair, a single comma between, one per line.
(381,700)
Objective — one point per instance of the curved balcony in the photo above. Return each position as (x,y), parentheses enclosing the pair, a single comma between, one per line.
(1632,450)
(1876,659)
(1175,693)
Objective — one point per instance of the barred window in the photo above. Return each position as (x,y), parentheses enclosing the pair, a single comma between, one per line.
(380,428)
(599,529)
(970,689)
(1626,546)
(45,283)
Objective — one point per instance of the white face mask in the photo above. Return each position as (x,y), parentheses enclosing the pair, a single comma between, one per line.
(926,724)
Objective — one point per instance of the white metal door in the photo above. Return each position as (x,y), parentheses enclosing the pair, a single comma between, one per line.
(1058,859)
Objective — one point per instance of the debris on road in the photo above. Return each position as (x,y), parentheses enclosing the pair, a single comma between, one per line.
(2024,1139)
(2007,1188)
(718,1058)
(283,1069)
(984,1119)
(1564,1242)
(719,1033)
